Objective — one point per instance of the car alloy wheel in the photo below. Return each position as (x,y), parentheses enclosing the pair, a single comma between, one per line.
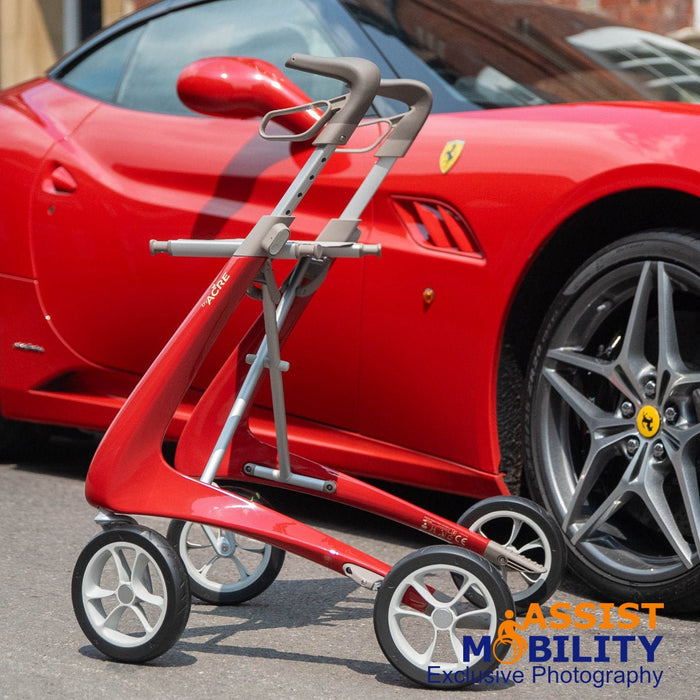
(613,418)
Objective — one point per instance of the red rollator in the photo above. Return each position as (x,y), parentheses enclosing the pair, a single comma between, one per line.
(132,586)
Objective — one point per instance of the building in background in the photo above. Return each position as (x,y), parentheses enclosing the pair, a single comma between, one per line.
(661,16)
(35,33)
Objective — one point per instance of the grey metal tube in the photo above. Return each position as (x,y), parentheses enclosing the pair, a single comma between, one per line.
(245,393)
(276,387)
(303,181)
(369,186)
(292,250)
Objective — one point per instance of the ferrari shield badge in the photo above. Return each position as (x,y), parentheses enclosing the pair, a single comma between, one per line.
(450,155)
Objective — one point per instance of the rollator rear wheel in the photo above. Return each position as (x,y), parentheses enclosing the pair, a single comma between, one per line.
(422,616)
(130,593)
(225,567)
(525,528)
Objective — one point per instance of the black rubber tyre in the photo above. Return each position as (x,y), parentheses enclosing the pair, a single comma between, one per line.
(130,593)
(421,616)
(612,419)
(525,528)
(246,569)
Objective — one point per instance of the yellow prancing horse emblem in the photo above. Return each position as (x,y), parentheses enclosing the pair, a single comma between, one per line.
(648,421)
(450,154)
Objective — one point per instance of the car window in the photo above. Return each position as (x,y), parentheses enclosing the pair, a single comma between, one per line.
(446,98)
(101,73)
(267,29)
(494,54)
(139,68)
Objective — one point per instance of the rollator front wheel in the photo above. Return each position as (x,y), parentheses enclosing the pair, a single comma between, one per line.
(225,567)
(525,528)
(130,593)
(427,626)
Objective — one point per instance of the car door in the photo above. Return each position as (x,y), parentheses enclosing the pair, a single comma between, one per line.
(426,333)
(142,167)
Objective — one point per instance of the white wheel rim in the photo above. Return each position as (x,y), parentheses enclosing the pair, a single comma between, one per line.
(245,562)
(435,638)
(533,542)
(124,594)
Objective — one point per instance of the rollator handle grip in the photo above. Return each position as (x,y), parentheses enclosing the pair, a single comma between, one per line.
(419,98)
(362,78)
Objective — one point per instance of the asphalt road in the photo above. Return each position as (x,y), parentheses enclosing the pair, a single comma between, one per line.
(310,635)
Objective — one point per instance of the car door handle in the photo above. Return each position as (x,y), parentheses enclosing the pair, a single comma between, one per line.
(60,181)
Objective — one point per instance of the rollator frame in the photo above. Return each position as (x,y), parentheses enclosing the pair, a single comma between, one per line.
(129,474)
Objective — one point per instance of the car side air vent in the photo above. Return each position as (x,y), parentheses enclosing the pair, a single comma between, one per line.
(436,225)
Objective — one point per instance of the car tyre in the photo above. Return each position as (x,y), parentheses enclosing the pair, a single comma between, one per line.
(612,419)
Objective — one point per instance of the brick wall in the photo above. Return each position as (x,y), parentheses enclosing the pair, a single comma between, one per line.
(662,16)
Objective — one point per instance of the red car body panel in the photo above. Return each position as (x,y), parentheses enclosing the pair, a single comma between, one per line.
(382,383)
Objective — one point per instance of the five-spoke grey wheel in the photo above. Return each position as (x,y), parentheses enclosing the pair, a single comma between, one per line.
(613,418)
(524,528)
(423,614)
(225,567)
(130,593)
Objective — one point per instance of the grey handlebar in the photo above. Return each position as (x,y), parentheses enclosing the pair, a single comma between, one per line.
(362,78)
(406,126)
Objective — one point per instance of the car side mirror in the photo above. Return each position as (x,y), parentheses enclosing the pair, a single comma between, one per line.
(243,88)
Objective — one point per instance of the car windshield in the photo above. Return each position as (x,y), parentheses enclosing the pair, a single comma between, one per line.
(508,53)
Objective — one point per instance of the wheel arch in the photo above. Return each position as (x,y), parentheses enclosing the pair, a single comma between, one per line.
(577,238)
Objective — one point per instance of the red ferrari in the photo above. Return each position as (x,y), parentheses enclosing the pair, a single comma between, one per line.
(536,310)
